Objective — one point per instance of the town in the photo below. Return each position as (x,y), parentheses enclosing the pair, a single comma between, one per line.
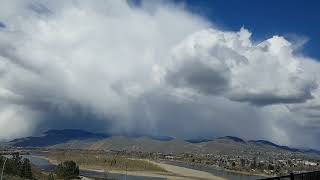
(255,163)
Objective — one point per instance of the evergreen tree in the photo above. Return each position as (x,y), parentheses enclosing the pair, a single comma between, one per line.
(17,167)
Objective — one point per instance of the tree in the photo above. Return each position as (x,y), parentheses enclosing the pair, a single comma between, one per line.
(18,167)
(25,169)
(243,162)
(67,170)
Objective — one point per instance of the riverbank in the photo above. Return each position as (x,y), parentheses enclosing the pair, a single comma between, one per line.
(232,171)
(247,173)
(217,171)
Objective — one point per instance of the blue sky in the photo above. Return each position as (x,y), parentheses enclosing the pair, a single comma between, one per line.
(289,18)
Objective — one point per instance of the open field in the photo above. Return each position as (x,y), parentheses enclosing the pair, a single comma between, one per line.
(102,161)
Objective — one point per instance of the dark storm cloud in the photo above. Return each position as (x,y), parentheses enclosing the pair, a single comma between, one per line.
(2,25)
(74,117)
(267,99)
(199,76)
(39,8)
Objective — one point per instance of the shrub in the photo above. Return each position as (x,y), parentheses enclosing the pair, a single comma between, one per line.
(67,170)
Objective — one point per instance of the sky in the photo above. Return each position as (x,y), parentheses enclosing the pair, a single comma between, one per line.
(175,68)
(292,19)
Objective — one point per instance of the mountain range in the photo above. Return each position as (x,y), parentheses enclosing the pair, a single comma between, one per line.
(80,139)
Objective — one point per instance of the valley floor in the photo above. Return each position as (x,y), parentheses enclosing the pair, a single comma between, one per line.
(173,172)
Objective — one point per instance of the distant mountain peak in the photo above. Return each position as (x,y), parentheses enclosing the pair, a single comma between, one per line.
(74,132)
(264,142)
(198,140)
(269,143)
(233,138)
(55,136)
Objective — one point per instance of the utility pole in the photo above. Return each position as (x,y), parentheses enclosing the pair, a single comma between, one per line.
(4,163)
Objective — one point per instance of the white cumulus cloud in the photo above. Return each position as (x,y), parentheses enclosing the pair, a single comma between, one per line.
(230,64)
